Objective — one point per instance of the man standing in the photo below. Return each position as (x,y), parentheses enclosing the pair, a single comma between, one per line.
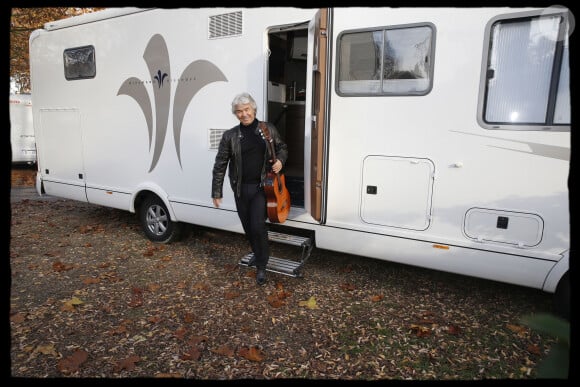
(244,149)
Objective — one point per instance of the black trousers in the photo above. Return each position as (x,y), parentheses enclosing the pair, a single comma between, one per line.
(251,206)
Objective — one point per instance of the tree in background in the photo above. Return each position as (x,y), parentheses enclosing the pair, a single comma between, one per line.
(22,22)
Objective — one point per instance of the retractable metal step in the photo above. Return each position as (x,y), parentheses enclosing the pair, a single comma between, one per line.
(281,265)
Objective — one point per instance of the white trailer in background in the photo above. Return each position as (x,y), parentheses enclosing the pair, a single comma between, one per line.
(22,142)
(415,135)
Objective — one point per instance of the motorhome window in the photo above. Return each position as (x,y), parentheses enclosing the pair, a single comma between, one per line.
(389,61)
(79,63)
(527,76)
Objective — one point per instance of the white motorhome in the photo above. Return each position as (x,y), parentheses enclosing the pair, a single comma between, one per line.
(22,142)
(415,135)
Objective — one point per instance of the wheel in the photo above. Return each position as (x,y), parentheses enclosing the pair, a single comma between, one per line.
(562,297)
(156,222)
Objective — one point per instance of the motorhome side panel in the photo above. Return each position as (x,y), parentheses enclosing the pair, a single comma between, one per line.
(159,100)
(22,139)
(424,183)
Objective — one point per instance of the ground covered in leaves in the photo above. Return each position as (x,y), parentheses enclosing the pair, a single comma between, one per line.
(92,297)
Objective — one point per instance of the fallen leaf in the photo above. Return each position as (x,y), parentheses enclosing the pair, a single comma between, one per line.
(377,298)
(72,363)
(420,331)
(195,340)
(200,286)
(47,349)
(127,364)
(275,302)
(533,348)
(193,354)
(189,317)
(224,350)
(18,317)
(252,353)
(58,266)
(89,281)
(520,330)
(168,375)
(277,298)
(231,294)
(310,303)
(181,332)
(118,330)
(347,287)
(154,319)
(70,304)
(85,229)
(136,298)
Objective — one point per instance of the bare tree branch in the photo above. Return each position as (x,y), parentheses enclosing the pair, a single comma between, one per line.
(23,21)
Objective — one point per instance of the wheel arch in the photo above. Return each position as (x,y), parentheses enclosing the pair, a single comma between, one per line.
(147,189)
(557,273)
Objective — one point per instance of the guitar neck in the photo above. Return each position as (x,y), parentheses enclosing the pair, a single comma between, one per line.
(266,134)
(272,150)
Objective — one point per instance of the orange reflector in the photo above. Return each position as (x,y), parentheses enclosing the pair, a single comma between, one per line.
(109,192)
(441,247)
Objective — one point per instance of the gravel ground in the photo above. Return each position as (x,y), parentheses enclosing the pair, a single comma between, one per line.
(90,297)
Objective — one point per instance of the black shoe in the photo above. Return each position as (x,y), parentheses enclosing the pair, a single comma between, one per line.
(252,260)
(261,276)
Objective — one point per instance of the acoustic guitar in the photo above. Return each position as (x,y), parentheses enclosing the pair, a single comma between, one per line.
(277,195)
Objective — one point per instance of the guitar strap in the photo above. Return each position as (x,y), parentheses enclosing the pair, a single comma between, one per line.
(266,133)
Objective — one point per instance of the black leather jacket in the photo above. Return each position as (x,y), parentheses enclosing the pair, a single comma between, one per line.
(230,151)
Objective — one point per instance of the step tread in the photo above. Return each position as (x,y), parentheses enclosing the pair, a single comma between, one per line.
(289,239)
(276,265)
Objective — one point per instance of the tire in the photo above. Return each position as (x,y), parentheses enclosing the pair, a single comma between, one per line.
(156,221)
(561,303)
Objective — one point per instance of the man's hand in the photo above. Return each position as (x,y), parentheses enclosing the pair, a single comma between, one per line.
(277,166)
(217,202)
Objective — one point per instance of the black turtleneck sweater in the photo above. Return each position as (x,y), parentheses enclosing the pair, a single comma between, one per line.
(253,149)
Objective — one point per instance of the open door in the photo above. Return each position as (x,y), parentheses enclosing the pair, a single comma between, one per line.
(287,84)
(319,30)
(298,106)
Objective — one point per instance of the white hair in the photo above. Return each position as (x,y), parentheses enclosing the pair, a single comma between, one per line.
(244,99)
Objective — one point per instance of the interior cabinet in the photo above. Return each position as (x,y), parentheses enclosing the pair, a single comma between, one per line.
(295,137)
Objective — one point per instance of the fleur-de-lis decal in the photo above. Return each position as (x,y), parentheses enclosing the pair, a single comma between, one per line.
(195,76)
(160,78)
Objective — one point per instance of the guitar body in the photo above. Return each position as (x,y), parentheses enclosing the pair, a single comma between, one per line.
(277,197)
